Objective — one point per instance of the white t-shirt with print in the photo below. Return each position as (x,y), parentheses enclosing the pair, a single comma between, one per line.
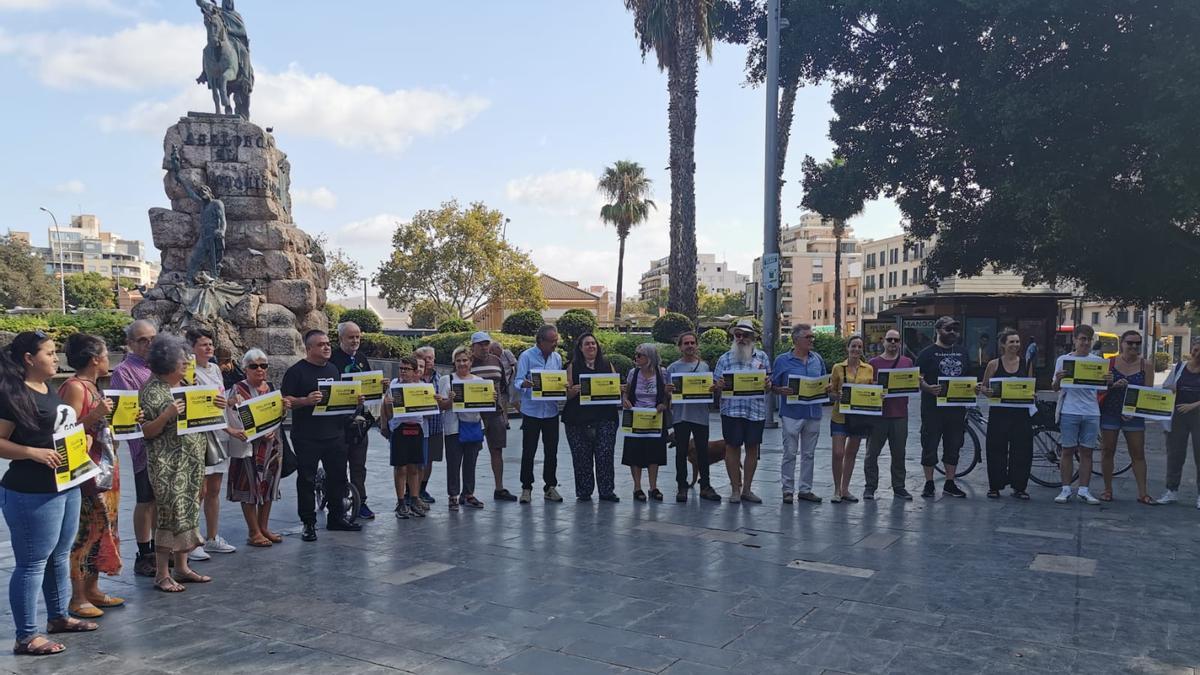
(1078,401)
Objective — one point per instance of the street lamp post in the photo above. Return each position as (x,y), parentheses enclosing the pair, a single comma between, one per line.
(364,280)
(62,269)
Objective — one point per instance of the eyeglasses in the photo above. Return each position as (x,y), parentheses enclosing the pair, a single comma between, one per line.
(1134,344)
(144,340)
(950,329)
(891,339)
(403,368)
(740,335)
(257,366)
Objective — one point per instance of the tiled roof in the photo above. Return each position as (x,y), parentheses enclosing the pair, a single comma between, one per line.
(556,289)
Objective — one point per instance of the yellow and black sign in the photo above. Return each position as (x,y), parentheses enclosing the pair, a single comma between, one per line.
(123,418)
(338,398)
(861,399)
(808,390)
(957,392)
(262,414)
(1085,373)
(549,385)
(692,387)
(74,464)
(200,411)
(642,422)
(413,399)
(599,389)
(373,385)
(1012,392)
(1148,402)
(744,383)
(473,395)
(899,381)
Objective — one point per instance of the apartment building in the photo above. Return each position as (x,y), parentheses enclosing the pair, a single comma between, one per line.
(84,247)
(714,275)
(807,254)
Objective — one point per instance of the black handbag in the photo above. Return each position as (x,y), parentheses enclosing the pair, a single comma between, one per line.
(289,456)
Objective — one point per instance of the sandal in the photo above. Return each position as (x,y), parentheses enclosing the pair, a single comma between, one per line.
(1148,500)
(273,538)
(43,647)
(107,601)
(69,625)
(88,611)
(639,495)
(473,502)
(261,542)
(454,503)
(168,585)
(656,495)
(1021,494)
(192,577)
(993,494)
(1106,496)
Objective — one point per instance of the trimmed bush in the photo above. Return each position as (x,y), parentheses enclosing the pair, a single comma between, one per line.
(710,353)
(626,345)
(333,312)
(621,362)
(669,325)
(104,324)
(381,346)
(668,354)
(444,343)
(573,323)
(455,326)
(1162,361)
(715,336)
(367,320)
(523,322)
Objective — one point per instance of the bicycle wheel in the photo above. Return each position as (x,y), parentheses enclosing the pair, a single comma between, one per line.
(352,503)
(1121,460)
(1047,450)
(970,447)
(319,489)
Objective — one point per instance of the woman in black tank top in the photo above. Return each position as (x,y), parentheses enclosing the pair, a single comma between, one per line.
(1009,430)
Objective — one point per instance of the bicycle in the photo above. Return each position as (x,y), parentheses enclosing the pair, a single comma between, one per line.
(351,503)
(976,427)
(1047,455)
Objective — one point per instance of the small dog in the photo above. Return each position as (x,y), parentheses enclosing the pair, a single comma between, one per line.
(716,453)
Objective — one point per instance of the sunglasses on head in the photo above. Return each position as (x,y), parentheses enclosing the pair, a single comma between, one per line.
(257,366)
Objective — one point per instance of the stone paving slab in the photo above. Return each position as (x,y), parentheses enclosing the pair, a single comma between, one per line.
(883,586)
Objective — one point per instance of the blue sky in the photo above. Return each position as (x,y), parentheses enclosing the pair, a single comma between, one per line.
(385,108)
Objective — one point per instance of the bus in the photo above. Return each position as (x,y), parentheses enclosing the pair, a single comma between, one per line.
(1106,345)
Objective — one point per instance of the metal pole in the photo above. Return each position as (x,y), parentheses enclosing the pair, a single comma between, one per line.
(770,194)
(62,269)
(364,292)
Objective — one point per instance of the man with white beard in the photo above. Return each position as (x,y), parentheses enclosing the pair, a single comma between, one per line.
(742,419)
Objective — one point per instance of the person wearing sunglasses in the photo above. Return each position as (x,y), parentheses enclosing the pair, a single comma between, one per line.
(1009,430)
(799,422)
(742,419)
(942,426)
(132,373)
(891,428)
(255,467)
(1128,367)
(1079,421)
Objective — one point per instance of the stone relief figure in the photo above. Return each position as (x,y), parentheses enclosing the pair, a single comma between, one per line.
(210,245)
(226,64)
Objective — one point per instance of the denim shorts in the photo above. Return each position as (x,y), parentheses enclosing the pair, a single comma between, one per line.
(1079,431)
(1119,423)
(851,427)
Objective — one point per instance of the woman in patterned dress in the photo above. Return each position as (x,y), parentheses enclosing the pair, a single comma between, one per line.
(255,466)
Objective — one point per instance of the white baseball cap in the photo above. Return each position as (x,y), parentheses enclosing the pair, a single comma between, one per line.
(480,336)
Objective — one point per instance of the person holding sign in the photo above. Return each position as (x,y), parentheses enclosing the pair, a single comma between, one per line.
(494,367)
(132,374)
(1184,380)
(942,426)
(892,427)
(1009,430)
(800,422)
(97,547)
(1127,368)
(41,520)
(406,433)
(463,433)
(1079,423)
(646,387)
(348,358)
(742,419)
(691,420)
(209,374)
(435,443)
(591,429)
(539,417)
(317,439)
(847,430)
(255,466)
(176,464)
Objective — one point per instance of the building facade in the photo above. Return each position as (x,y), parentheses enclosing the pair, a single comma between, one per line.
(713,275)
(821,301)
(807,254)
(560,296)
(84,247)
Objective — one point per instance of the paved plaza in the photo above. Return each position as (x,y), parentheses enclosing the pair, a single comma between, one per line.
(928,586)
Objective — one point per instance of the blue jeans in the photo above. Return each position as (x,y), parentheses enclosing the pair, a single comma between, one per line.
(42,527)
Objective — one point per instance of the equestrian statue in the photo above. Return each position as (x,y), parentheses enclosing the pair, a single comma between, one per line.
(227,70)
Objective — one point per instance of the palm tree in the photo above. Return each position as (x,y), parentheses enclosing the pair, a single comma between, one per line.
(837,192)
(627,189)
(676,30)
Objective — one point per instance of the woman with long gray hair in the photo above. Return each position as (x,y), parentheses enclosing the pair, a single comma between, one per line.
(646,387)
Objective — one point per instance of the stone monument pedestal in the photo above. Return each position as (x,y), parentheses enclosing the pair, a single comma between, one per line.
(272,282)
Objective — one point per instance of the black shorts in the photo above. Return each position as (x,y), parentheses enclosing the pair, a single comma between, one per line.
(945,427)
(408,449)
(142,486)
(739,431)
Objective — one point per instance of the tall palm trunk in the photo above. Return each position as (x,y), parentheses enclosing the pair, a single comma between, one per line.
(838,230)
(681,122)
(620,278)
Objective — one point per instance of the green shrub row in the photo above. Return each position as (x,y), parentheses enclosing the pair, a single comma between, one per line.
(382,346)
(108,325)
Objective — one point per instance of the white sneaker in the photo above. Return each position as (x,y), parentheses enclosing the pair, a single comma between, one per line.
(526,495)
(1064,496)
(552,495)
(198,554)
(219,545)
(1087,497)
(1170,497)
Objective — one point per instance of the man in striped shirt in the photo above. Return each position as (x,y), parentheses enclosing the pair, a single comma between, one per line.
(487,365)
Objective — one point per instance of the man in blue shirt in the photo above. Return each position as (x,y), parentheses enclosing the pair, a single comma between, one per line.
(801,422)
(539,417)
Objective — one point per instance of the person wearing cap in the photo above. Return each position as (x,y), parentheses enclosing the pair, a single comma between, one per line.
(539,418)
(742,419)
(800,422)
(487,365)
(942,426)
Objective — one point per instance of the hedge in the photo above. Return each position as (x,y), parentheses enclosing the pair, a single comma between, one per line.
(715,336)
(381,346)
(522,322)
(444,343)
(334,312)
(455,326)
(573,323)
(670,325)
(367,320)
(622,363)
(108,325)
(1162,361)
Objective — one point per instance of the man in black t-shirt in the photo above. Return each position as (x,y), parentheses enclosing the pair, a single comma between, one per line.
(945,426)
(349,359)
(316,439)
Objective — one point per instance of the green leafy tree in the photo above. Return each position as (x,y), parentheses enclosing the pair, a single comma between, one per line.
(366,319)
(669,325)
(1039,137)
(333,312)
(424,314)
(573,323)
(837,191)
(627,189)
(23,278)
(456,258)
(455,325)
(721,303)
(345,273)
(90,289)
(523,322)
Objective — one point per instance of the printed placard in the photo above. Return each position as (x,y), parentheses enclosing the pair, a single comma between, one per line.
(744,384)
(808,390)
(1012,392)
(549,385)
(899,381)
(642,422)
(413,399)
(123,418)
(373,385)
(861,399)
(200,411)
(1150,403)
(337,398)
(957,392)
(473,395)
(599,389)
(74,464)
(692,388)
(189,371)
(1085,373)
(262,414)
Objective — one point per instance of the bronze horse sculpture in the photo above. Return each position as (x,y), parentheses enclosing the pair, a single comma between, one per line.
(227,69)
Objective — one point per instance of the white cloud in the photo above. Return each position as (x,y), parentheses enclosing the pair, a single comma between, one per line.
(73,186)
(321,197)
(371,231)
(565,193)
(146,55)
(105,6)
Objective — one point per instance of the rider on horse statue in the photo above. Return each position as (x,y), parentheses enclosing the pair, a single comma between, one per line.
(215,72)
